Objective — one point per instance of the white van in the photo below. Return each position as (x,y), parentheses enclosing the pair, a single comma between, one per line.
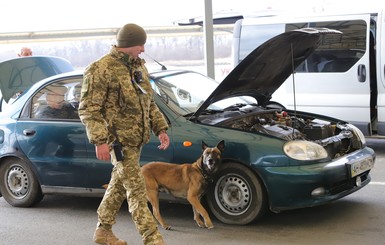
(345,76)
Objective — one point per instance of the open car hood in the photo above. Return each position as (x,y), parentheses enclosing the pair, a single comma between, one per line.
(264,70)
(18,75)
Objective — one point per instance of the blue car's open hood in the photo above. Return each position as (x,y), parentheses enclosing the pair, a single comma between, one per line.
(264,70)
(18,75)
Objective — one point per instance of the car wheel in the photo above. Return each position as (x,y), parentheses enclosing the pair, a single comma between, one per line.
(18,184)
(237,195)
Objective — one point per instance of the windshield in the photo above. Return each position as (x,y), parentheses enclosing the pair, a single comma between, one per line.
(185,92)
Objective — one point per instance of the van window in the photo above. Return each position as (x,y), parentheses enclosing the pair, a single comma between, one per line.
(252,36)
(337,53)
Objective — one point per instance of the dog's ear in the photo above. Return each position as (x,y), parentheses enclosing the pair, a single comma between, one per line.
(221,145)
(204,145)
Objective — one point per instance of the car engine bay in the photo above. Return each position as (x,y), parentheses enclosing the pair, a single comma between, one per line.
(338,138)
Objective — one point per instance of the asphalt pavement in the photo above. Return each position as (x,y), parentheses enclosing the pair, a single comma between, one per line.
(355,220)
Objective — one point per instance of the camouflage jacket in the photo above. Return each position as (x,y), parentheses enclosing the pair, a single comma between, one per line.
(113,104)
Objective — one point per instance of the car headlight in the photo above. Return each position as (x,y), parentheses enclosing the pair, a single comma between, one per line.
(304,150)
(358,133)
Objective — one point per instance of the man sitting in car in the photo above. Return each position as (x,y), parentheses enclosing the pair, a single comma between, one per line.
(55,106)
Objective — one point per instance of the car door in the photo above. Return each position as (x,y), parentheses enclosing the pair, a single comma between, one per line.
(54,143)
(380,49)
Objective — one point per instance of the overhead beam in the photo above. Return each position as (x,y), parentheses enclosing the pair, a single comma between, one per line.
(105,33)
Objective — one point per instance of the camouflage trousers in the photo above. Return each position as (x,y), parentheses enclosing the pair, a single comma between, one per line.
(127,182)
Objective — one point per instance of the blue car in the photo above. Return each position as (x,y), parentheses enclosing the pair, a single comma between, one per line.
(274,159)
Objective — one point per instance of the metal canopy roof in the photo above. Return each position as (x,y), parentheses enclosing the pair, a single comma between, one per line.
(105,33)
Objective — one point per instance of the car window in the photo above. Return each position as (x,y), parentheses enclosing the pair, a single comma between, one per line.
(57,101)
(336,53)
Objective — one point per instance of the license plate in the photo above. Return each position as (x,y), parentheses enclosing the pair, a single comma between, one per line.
(361,166)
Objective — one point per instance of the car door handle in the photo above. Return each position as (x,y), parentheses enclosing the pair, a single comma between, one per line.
(29,132)
(361,73)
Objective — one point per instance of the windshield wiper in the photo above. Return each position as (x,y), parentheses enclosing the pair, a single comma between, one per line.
(205,112)
(211,111)
(235,107)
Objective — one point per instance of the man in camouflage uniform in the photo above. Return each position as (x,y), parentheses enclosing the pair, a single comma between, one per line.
(117,105)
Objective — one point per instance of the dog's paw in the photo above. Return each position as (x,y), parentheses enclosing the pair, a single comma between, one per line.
(167,227)
(209,225)
(201,224)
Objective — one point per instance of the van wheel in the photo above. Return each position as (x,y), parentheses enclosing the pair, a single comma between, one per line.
(18,184)
(237,196)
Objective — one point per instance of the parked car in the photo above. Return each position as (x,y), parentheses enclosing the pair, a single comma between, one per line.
(274,159)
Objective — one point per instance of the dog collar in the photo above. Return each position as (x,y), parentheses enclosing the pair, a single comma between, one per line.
(207,177)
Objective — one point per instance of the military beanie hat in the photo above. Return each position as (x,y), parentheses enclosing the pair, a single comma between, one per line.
(131,35)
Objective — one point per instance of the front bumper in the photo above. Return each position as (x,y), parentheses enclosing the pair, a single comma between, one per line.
(316,184)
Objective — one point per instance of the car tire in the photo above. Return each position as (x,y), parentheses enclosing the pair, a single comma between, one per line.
(18,184)
(236,196)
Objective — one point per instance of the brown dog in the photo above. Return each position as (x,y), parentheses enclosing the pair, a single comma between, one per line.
(187,181)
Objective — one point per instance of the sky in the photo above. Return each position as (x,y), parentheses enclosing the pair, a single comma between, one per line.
(43,15)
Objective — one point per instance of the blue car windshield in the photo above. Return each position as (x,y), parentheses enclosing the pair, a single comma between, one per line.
(186,92)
